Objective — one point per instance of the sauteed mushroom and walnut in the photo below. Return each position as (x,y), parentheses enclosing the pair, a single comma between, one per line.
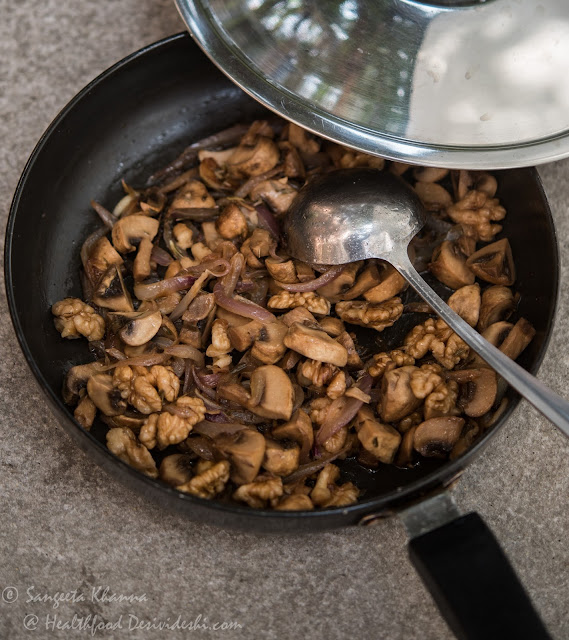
(229,370)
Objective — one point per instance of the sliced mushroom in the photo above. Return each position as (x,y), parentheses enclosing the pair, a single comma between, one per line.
(104,395)
(498,303)
(494,263)
(354,360)
(466,440)
(316,345)
(397,398)
(138,328)
(368,278)
(129,231)
(142,268)
(335,290)
(101,257)
(392,283)
(436,437)
(497,332)
(466,302)
(176,469)
(281,458)
(111,292)
(449,265)
(433,196)
(272,394)
(254,160)
(243,336)
(405,453)
(278,194)
(299,314)
(381,440)
(281,271)
(245,450)
(429,174)
(76,380)
(517,340)
(479,389)
(193,195)
(298,429)
(269,347)
(333,326)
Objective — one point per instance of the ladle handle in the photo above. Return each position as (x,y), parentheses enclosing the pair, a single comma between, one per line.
(543,399)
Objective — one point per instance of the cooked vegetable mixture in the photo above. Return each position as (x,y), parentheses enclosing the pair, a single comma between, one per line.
(229,370)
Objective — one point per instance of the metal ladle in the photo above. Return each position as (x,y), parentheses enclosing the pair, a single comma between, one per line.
(355,214)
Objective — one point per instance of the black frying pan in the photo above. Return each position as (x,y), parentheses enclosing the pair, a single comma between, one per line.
(135,118)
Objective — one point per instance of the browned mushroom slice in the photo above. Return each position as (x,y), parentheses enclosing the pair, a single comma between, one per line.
(381,440)
(101,257)
(335,290)
(478,392)
(272,394)
(281,271)
(497,304)
(176,469)
(367,279)
(436,437)
(254,160)
(429,174)
(243,336)
(292,162)
(269,347)
(129,231)
(316,345)
(281,458)
(433,196)
(449,265)
(494,263)
(405,454)
(466,302)
(298,429)
(111,292)
(497,332)
(231,222)
(392,283)
(245,450)
(333,326)
(76,379)
(142,268)
(466,440)
(517,340)
(299,314)
(105,396)
(135,328)
(397,398)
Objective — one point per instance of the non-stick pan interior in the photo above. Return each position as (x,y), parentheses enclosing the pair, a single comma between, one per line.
(127,124)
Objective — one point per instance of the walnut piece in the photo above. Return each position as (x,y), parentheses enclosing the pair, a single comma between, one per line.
(172,428)
(479,211)
(378,316)
(309,300)
(123,443)
(258,493)
(145,389)
(435,336)
(75,318)
(388,360)
(210,480)
(442,401)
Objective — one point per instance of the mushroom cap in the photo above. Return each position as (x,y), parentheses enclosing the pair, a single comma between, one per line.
(494,263)
(272,394)
(111,292)
(245,450)
(449,265)
(139,328)
(299,429)
(129,231)
(104,395)
(397,398)
(497,303)
(436,437)
(176,469)
(316,345)
(478,391)
(466,302)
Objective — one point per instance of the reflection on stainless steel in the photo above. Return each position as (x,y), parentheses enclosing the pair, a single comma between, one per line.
(470,84)
(354,214)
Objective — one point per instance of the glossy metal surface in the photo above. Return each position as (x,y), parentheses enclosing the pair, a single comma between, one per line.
(354,214)
(450,83)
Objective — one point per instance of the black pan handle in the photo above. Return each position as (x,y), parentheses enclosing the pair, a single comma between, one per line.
(473,583)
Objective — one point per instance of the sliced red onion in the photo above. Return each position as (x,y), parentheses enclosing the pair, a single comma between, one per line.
(267,220)
(230,279)
(312,467)
(190,154)
(188,367)
(312,285)
(178,365)
(246,188)
(145,360)
(214,429)
(185,302)
(160,256)
(342,411)
(106,216)
(241,306)
(163,287)
(201,447)
(115,353)
(185,351)
(201,385)
(196,214)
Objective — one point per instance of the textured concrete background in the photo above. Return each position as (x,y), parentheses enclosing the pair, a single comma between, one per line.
(66,526)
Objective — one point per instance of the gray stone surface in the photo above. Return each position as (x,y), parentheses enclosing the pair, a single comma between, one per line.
(65,526)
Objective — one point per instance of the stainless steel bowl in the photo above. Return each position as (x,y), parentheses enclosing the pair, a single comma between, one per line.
(455,83)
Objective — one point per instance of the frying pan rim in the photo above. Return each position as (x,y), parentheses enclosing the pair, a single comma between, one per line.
(399,495)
